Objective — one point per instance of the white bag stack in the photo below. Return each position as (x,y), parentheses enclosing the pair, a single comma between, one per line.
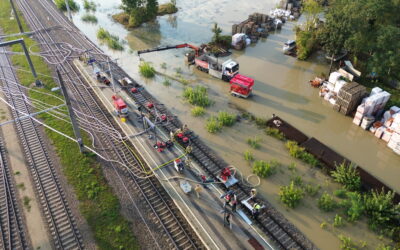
(394,142)
(367,122)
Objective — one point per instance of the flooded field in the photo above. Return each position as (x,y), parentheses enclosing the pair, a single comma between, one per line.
(281,88)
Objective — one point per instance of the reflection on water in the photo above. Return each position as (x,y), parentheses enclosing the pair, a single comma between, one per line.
(281,87)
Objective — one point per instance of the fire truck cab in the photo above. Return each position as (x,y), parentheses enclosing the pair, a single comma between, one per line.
(241,86)
(120,106)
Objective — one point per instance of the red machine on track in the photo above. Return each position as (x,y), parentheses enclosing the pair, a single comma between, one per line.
(120,106)
(228,70)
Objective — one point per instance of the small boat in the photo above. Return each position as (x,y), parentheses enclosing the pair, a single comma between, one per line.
(289,45)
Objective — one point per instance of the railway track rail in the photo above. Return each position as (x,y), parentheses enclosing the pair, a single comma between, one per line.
(12,228)
(178,232)
(51,195)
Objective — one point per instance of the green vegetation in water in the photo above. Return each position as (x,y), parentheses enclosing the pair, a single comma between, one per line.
(254,142)
(353,206)
(248,155)
(166,82)
(213,125)
(297,180)
(73,6)
(197,111)
(326,202)
(346,243)
(338,221)
(347,175)
(112,41)
(89,5)
(89,18)
(265,169)
(167,8)
(163,65)
(299,152)
(197,96)
(146,70)
(292,167)
(291,195)
(97,203)
(311,189)
(274,132)
(341,193)
(226,119)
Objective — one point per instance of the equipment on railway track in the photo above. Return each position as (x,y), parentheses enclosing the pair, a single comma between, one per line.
(241,86)
(102,78)
(179,165)
(121,109)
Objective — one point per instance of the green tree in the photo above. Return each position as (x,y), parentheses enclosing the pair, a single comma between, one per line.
(130,5)
(151,9)
(312,8)
(217,33)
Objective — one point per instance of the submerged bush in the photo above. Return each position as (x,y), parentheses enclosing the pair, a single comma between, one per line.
(248,155)
(274,132)
(254,142)
(89,5)
(265,169)
(73,6)
(89,18)
(326,202)
(198,111)
(311,189)
(197,96)
(147,70)
(299,152)
(226,119)
(338,221)
(353,206)
(291,195)
(112,41)
(348,176)
(213,125)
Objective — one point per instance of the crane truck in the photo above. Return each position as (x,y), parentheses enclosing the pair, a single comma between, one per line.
(227,71)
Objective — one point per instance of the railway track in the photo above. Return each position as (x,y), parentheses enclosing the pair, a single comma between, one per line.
(52,199)
(177,230)
(11,225)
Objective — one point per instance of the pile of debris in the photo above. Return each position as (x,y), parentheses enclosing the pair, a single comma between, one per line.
(258,25)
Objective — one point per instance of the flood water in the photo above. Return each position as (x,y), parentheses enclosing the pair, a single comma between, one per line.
(281,87)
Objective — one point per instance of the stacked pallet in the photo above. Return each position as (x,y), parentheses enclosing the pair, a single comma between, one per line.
(349,97)
(257,25)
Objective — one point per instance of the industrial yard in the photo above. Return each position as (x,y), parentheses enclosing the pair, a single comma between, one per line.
(133,94)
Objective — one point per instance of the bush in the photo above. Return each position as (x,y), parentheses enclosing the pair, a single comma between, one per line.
(89,5)
(146,70)
(89,18)
(274,132)
(341,193)
(326,202)
(112,41)
(382,212)
(291,195)
(265,169)
(197,96)
(312,190)
(198,111)
(226,119)
(167,8)
(73,6)
(137,17)
(299,152)
(213,125)
(348,176)
(248,155)
(297,180)
(254,142)
(338,221)
(354,206)
(306,41)
(166,82)
(346,243)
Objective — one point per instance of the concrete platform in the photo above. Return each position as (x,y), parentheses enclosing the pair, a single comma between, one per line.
(203,213)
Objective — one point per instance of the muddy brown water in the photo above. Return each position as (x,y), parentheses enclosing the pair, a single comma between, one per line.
(281,87)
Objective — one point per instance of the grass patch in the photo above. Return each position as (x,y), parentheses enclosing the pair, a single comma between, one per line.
(248,156)
(27,203)
(265,169)
(89,5)
(97,203)
(226,119)
(17,173)
(197,96)
(299,152)
(213,125)
(167,8)
(112,41)
(73,6)
(146,70)
(197,111)
(89,18)
(274,132)
(291,195)
(311,189)
(21,186)
(254,142)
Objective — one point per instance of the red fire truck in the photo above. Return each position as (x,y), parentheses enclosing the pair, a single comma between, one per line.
(121,109)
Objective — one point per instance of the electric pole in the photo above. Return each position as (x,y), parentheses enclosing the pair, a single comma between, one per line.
(111,75)
(16,17)
(75,126)
(68,10)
